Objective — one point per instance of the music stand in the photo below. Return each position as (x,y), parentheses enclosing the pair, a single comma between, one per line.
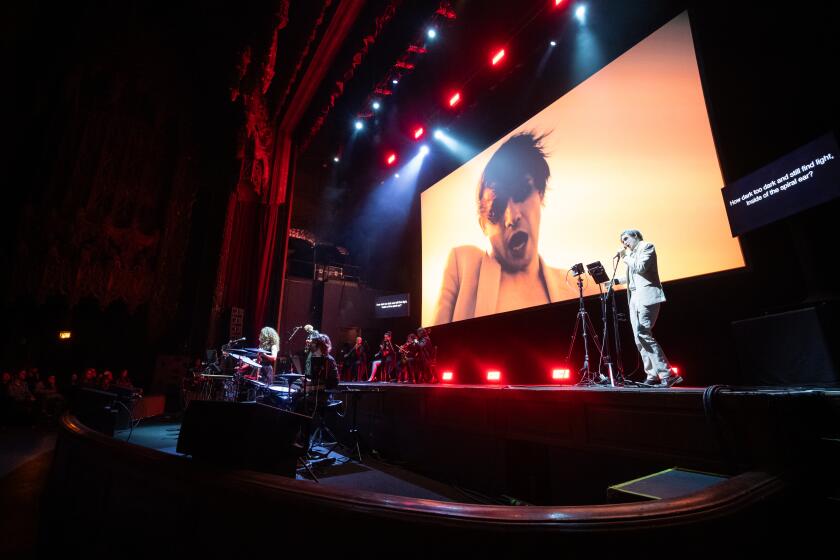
(599,275)
(597,272)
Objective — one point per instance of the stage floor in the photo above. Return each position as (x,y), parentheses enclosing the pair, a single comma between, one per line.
(681,388)
(333,468)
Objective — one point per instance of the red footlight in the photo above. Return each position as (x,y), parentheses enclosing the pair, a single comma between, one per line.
(418,132)
(558,2)
(560,374)
(391,159)
(494,375)
(455,99)
(447,376)
(497,58)
(675,370)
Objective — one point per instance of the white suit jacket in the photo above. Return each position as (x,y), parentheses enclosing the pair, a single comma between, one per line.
(471,285)
(642,277)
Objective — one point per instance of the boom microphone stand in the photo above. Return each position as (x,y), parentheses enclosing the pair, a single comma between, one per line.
(616,337)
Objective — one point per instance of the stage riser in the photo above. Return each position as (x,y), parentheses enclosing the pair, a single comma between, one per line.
(559,445)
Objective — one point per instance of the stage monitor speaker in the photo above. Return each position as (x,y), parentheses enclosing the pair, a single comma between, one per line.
(243,435)
(98,410)
(789,348)
(670,483)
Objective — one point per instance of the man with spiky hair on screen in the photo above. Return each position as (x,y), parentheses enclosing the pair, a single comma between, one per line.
(512,275)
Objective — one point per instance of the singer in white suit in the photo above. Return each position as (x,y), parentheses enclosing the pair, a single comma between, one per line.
(645,296)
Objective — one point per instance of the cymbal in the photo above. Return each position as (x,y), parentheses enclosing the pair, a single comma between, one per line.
(289,376)
(256,350)
(250,362)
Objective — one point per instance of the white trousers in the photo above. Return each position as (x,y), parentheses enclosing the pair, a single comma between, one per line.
(642,319)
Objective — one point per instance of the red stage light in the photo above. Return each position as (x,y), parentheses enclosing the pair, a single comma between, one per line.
(498,56)
(418,132)
(557,2)
(447,376)
(391,159)
(675,369)
(560,374)
(455,99)
(494,375)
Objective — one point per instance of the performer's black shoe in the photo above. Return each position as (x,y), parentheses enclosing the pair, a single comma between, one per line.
(670,381)
(651,381)
(602,379)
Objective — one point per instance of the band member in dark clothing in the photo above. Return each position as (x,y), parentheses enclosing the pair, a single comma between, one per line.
(385,362)
(324,372)
(321,375)
(424,367)
(358,360)
(311,336)
(408,358)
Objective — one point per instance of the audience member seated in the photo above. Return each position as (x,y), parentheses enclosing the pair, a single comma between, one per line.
(22,399)
(107,381)
(5,400)
(89,379)
(51,403)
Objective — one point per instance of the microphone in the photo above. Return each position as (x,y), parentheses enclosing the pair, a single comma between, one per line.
(619,254)
(238,340)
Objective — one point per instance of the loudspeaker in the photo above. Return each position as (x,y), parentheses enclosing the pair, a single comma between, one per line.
(243,436)
(670,483)
(789,348)
(96,409)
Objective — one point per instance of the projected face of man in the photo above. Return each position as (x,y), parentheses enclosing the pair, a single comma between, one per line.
(512,224)
(510,198)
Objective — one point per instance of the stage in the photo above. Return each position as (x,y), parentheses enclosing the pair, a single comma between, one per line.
(556,450)
(567,444)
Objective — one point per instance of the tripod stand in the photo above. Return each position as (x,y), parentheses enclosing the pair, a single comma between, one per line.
(353,396)
(321,428)
(587,376)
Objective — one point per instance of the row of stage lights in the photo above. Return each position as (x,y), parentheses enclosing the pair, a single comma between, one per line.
(557,375)
(453,99)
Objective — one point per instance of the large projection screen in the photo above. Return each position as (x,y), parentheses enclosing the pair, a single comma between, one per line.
(630,147)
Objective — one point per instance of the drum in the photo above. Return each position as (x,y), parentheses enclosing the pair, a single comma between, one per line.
(280,396)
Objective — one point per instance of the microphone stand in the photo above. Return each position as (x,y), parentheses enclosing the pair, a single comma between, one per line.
(611,292)
(614,376)
(294,332)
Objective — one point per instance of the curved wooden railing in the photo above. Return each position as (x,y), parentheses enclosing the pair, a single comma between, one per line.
(82,446)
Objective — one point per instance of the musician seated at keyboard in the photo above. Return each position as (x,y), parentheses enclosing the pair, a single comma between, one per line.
(322,371)
(321,374)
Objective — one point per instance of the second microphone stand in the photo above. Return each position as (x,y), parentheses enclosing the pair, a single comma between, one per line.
(615,370)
